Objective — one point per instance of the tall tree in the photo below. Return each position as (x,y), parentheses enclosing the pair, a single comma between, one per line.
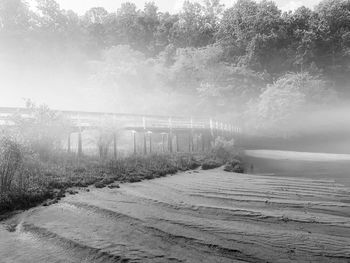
(14,16)
(300,38)
(95,21)
(236,28)
(95,15)
(253,35)
(332,45)
(14,23)
(165,30)
(149,22)
(127,29)
(192,29)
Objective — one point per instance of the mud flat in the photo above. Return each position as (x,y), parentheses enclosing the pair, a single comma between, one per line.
(204,216)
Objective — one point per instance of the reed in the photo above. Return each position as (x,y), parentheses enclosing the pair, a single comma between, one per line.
(28,180)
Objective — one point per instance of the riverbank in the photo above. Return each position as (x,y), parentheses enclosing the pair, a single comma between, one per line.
(201,216)
(58,179)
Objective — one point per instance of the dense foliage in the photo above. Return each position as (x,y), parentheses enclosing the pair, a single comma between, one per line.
(224,56)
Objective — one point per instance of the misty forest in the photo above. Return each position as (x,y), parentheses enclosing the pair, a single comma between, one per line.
(211,134)
(250,62)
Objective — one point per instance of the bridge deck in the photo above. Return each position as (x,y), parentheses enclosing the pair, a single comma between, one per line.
(136,122)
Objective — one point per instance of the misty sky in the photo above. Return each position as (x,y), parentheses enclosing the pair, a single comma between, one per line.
(80,6)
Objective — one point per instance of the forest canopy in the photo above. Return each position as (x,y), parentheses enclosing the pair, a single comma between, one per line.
(206,59)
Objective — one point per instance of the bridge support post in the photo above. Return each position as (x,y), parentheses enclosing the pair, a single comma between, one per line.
(134,139)
(193,135)
(211,133)
(170,136)
(150,142)
(163,142)
(203,142)
(144,143)
(68,144)
(194,143)
(80,145)
(170,141)
(210,141)
(115,153)
(177,142)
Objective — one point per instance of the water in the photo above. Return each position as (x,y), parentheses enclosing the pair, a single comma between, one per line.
(205,216)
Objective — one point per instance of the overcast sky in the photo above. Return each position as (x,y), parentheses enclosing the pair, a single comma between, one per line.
(80,6)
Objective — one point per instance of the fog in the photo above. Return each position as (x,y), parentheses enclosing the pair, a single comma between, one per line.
(165,131)
(143,61)
(66,87)
(70,89)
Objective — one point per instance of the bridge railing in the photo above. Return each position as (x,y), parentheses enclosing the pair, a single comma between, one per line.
(126,121)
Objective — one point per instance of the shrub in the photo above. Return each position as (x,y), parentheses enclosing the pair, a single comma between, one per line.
(224,150)
(234,166)
(42,131)
(10,162)
(211,164)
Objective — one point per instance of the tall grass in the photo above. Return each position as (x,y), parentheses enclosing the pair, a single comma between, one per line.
(33,167)
(10,163)
(27,180)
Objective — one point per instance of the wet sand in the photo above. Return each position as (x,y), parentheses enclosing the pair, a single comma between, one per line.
(203,216)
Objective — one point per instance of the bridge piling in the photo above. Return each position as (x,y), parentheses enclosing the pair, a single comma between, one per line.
(144,135)
(198,146)
(163,142)
(150,141)
(144,143)
(203,142)
(193,141)
(177,142)
(68,144)
(170,136)
(134,141)
(170,142)
(80,145)
(115,153)
(209,140)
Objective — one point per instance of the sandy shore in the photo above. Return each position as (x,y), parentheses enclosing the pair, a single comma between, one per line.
(202,216)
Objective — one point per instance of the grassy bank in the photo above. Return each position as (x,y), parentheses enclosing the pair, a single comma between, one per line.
(34,169)
(35,181)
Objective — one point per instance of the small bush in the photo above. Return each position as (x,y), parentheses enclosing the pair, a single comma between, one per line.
(211,164)
(224,150)
(10,162)
(43,132)
(100,185)
(234,166)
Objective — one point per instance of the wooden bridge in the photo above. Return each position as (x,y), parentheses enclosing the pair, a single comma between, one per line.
(170,127)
